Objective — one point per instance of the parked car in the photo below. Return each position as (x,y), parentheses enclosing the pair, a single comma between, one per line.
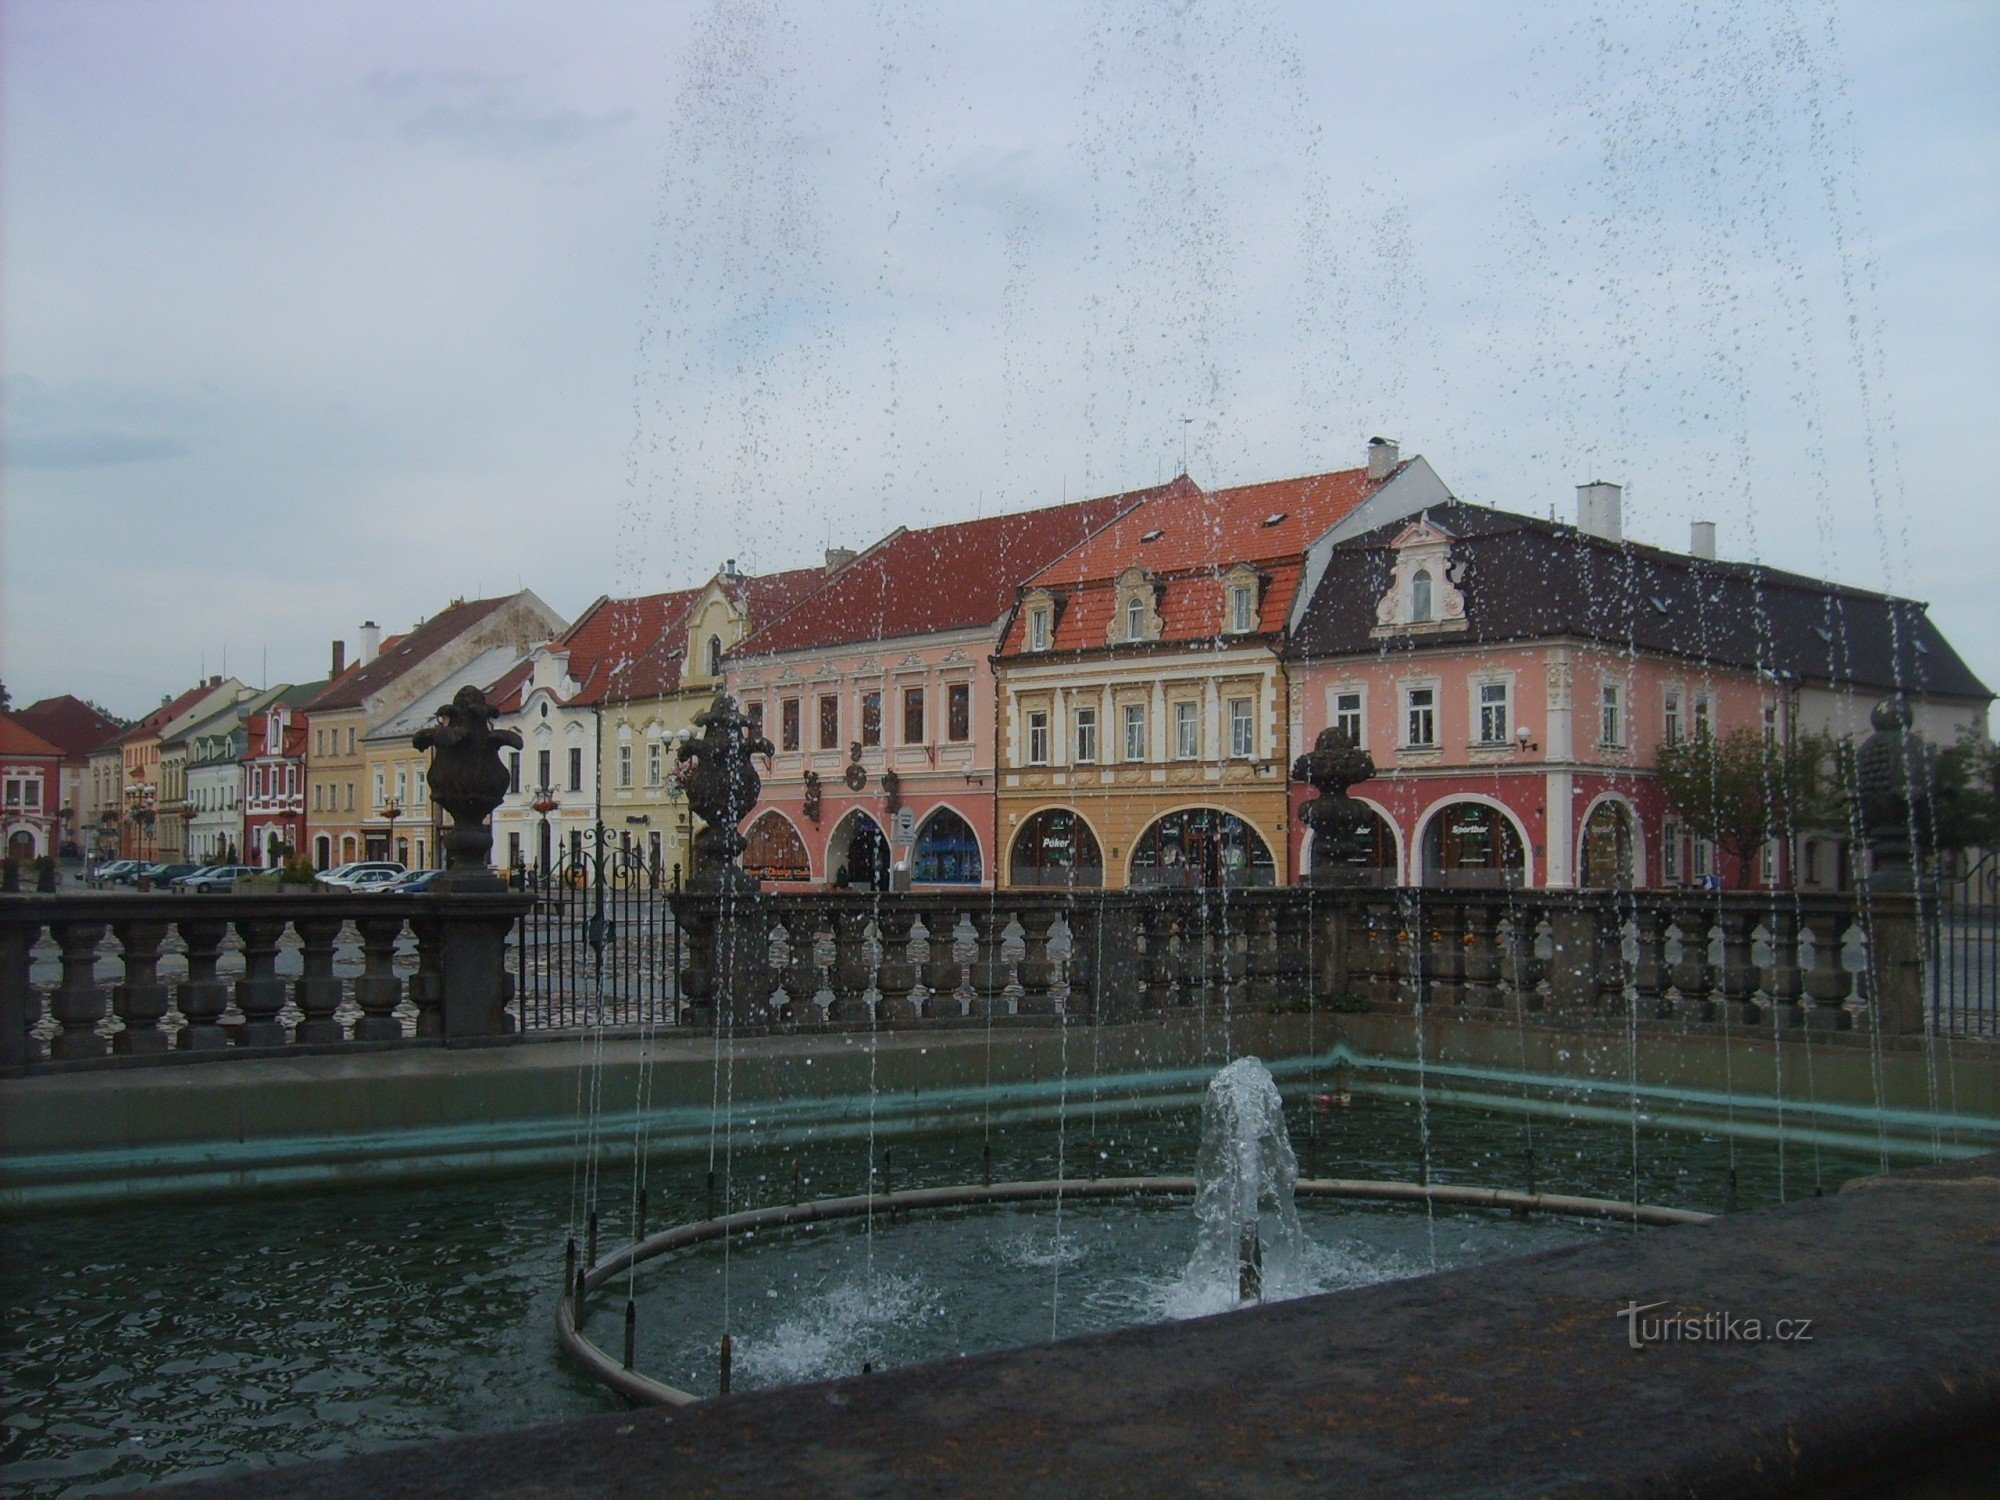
(410,884)
(166,875)
(341,877)
(374,879)
(214,878)
(115,872)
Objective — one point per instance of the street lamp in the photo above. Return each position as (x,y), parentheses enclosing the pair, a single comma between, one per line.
(544,803)
(392,810)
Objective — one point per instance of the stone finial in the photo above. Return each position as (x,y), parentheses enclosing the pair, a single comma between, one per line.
(1341,827)
(722,787)
(468,780)
(1893,769)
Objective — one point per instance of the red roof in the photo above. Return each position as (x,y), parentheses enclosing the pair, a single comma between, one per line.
(951,577)
(400,653)
(629,648)
(70,724)
(17,739)
(1188,538)
(167,712)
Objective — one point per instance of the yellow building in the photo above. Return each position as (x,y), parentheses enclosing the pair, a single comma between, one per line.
(344,822)
(153,782)
(1143,717)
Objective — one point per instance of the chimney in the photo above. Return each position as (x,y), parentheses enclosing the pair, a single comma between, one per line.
(371,641)
(838,557)
(339,657)
(729,570)
(1383,456)
(1701,539)
(216,680)
(1600,510)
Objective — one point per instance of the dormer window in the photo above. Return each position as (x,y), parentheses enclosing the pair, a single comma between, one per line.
(715,656)
(1242,608)
(1135,618)
(1038,629)
(1420,596)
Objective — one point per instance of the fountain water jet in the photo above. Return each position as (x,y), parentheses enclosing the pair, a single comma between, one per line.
(1248,1242)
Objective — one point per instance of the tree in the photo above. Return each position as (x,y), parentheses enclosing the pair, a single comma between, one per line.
(1967,806)
(1740,790)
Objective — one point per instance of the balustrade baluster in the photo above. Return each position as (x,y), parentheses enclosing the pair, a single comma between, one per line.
(378,991)
(1446,934)
(1737,979)
(1827,982)
(1784,980)
(319,990)
(78,1002)
(425,990)
(204,996)
(1692,974)
(142,999)
(1479,967)
(1649,973)
(261,993)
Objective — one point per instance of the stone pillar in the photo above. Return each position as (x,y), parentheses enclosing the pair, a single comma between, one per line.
(1896,965)
(472,965)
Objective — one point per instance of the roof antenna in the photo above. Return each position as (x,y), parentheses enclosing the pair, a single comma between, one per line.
(1184,444)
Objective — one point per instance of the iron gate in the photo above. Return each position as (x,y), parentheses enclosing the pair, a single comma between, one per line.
(1964,944)
(599,945)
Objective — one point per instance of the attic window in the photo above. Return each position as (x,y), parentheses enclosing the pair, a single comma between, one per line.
(1823,633)
(1661,605)
(1152,536)
(1275,517)
(1922,645)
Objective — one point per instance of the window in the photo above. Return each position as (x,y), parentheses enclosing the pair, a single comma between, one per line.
(575,769)
(913,716)
(829,722)
(1086,736)
(380,788)
(1670,728)
(402,785)
(1135,731)
(576,846)
(1670,851)
(1612,725)
(1135,618)
(1038,737)
(1242,728)
(1242,608)
(1701,728)
(350,796)
(871,718)
(715,656)
(1347,715)
(350,739)
(1492,713)
(1187,731)
(754,712)
(1770,725)
(1704,859)
(319,742)
(1038,629)
(958,711)
(624,765)
(318,806)
(1421,721)
(1420,595)
(655,755)
(1768,865)
(546,778)
(788,724)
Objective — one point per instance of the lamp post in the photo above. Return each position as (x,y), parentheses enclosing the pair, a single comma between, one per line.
(544,803)
(392,810)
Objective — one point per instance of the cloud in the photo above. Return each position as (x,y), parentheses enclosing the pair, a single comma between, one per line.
(484,112)
(90,449)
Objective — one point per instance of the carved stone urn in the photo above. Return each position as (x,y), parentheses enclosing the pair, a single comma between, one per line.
(1343,830)
(468,780)
(1893,770)
(722,787)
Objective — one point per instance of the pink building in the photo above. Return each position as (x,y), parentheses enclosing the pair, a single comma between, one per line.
(30,791)
(274,776)
(878,691)
(1514,680)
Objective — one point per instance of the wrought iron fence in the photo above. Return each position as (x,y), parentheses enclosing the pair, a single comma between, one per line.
(599,945)
(1963,939)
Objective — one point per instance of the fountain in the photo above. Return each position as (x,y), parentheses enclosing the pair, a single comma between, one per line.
(1248,1243)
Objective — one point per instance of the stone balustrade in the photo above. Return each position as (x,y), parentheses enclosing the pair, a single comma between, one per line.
(107,976)
(1693,958)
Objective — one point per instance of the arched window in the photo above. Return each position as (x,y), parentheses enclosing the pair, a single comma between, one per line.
(715,656)
(1420,595)
(1202,847)
(1135,618)
(1471,846)
(946,852)
(1056,847)
(773,850)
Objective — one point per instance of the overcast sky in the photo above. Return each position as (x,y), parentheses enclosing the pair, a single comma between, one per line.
(322,312)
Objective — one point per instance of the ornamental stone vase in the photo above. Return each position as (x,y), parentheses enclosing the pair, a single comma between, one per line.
(468,780)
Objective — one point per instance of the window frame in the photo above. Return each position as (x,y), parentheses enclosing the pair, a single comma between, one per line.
(1242,609)
(1083,734)
(1132,717)
(871,719)
(1610,715)
(829,721)
(1187,729)
(913,700)
(1488,710)
(1242,713)
(1036,725)
(1135,617)
(1038,628)
(1422,604)
(1341,714)
(958,712)
(1429,709)
(791,724)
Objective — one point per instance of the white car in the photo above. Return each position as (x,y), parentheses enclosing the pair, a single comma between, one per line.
(347,877)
